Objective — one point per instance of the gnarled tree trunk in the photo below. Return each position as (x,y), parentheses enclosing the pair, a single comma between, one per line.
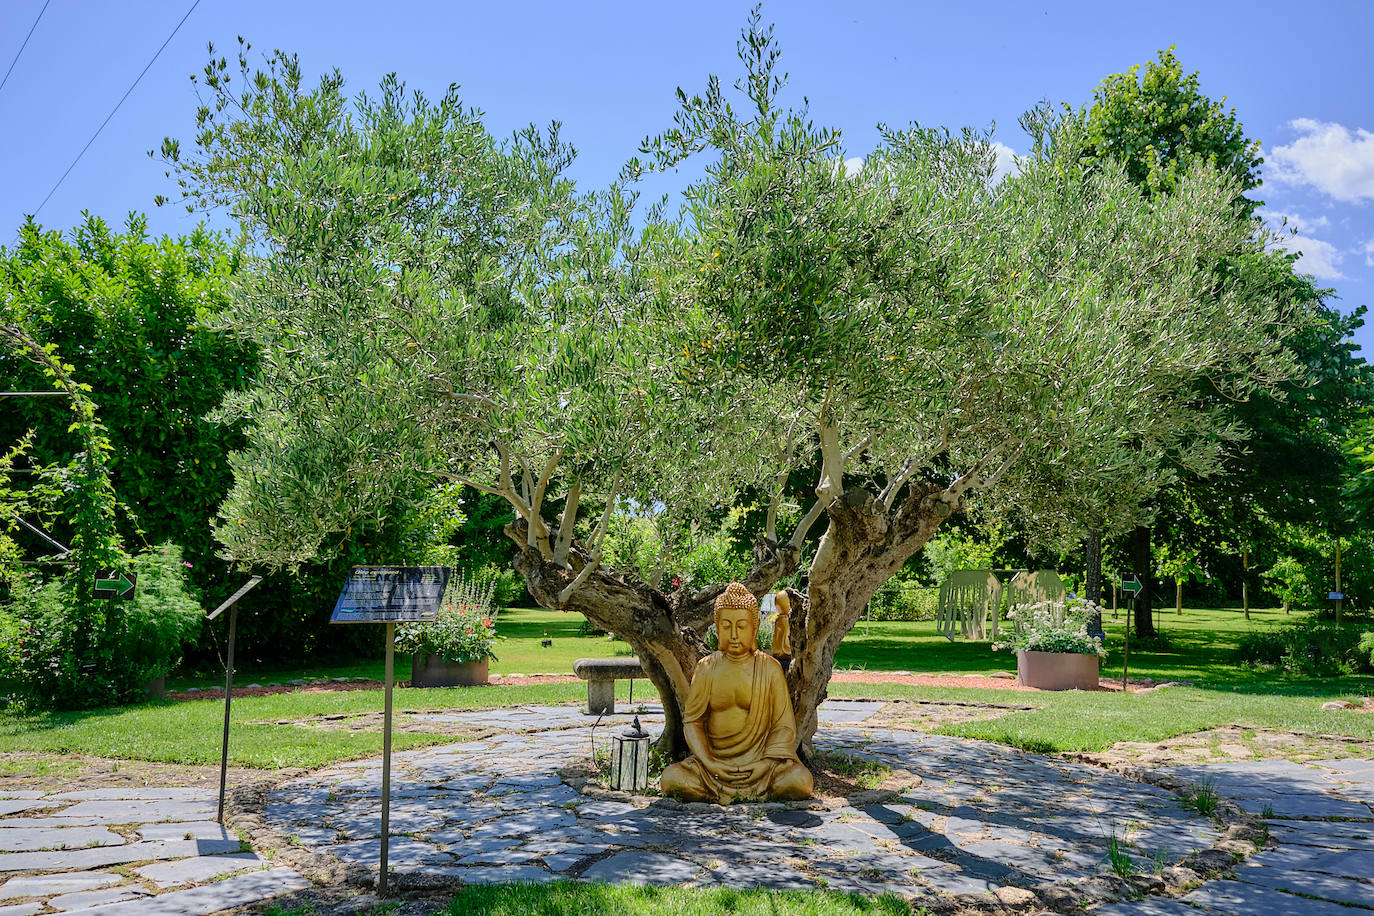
(864,544)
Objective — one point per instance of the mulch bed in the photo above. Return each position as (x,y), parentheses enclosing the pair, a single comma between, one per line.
(976,681)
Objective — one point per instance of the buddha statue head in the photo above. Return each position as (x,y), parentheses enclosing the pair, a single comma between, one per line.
(737,621)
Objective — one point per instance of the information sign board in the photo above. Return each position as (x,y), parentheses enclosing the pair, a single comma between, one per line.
(390,594)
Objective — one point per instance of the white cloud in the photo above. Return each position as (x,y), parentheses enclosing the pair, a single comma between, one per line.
(1320,259)
(1006,163)
(853,166)
(1330,157)
(1369,252)
(1281,220)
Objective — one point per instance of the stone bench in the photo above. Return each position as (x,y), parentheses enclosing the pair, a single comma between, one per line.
(601,675)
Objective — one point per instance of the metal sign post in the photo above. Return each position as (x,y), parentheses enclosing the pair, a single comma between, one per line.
(232,602)
(388,594)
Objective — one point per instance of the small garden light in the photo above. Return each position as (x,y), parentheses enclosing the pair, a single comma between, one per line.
(630,759)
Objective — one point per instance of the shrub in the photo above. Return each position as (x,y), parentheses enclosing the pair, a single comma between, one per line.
(1053,627)
(463,631)
(138,640)
(1367,645)
(1307,647)
(904,600)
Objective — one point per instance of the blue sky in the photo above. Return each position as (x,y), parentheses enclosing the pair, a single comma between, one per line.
(1300,78)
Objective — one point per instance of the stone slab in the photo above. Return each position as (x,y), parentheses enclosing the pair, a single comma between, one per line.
(240,890)
(1150,906)
(179,830)
(199,869)
(1339,888)
(82,900)
(49,885)
(21,909)
(1242,899)
(119,811)
(100,856)
(27,839)
(642,868)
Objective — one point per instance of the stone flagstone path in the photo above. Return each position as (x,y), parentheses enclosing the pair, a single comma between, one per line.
(1321,814)
(58,852)
(971,819)
(982,818)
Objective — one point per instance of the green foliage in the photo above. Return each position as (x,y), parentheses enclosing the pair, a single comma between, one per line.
(1202,797)
(39,626)
(132,317)
(1050,627)
(461,633)
(1367,645)
(1158,122)
(1308,647)
(904,599)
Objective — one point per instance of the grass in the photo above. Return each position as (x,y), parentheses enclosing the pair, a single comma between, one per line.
(565,898)
(522,630)
(1197,647)
(190,733)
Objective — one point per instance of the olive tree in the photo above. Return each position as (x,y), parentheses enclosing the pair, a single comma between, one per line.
(434,303)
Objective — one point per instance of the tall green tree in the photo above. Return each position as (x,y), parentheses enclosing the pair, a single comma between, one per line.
(132,316)
(1281,444)
(433,303)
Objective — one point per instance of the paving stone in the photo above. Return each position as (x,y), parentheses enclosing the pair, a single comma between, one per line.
(1245,899)
(1311,884)
(401,851)
(184,793)
(641,868)
(81,900)
(21,909)
(774,877)
(116,811)
(100,856)
(49,885)
(199,869)
(501,875)
(185,830)
(15,805)
(240,890)
(23,839)
(1150,906)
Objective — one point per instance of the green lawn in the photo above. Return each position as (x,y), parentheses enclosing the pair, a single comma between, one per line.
(1200,644)
(1198,648)
(565,898)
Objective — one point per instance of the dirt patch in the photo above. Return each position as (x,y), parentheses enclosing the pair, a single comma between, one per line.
(929,715)
(422,723)
(69,773)
(999,681)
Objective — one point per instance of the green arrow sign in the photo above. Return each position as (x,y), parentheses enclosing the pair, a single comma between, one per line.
(1131,585)
(113,583)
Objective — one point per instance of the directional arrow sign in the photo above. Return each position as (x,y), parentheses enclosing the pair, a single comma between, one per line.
(112,583)
(1131,585)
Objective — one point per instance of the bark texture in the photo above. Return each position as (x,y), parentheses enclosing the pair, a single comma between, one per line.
(1092,579)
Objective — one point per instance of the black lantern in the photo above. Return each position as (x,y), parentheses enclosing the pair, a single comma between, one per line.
(630,759)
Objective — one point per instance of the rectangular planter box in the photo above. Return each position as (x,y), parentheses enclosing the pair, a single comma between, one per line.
(437,671)
(1056,670)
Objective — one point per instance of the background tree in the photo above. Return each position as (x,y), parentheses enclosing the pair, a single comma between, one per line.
(1282,445)
(434,304)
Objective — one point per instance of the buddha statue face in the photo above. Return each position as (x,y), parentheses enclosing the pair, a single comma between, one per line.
(737,622)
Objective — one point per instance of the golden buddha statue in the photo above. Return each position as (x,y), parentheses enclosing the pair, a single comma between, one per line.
(782,644)
(738,718)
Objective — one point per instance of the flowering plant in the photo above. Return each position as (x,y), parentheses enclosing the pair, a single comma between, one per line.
(1052,626)
(460,633)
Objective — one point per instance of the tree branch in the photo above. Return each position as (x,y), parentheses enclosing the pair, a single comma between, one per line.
(565,525)
(594,545)
(538,534)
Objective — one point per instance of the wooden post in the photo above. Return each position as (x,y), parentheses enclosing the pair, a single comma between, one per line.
(228,696)
(1126,656)
(1178,597)
(386,756)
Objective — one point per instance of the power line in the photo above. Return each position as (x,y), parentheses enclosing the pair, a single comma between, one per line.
(113,111)
(24,45)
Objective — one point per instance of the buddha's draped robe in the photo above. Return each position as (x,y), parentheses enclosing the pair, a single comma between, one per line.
(769,732)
